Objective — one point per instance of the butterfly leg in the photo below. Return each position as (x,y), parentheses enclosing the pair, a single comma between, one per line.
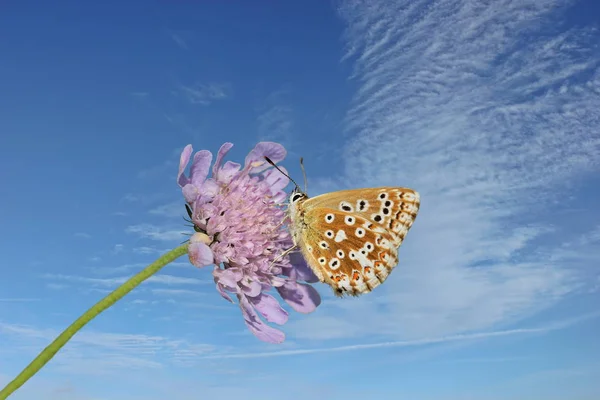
(283,254)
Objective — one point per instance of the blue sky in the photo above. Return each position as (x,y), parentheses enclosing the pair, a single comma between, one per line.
(490,111)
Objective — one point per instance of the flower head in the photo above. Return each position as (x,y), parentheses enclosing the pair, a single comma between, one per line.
(240,230)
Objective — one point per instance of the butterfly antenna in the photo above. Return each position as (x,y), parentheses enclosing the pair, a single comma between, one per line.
(280,170)
(304,175)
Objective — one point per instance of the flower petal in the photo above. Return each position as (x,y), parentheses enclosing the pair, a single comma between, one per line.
(222,291)
(227,172)
(209,188)
(200,167)
(274,151)
(228,277)
(303,271)
(261,330)
(184,159)
(301,297)
(269,308)
(251,288)
(200,254)
(222,151)
(190,193)
(276,180)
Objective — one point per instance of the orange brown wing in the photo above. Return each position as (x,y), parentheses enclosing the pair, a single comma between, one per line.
(351,237)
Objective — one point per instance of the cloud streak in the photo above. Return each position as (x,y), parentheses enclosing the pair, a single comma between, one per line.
(154,232)
(419,342)
(474,105)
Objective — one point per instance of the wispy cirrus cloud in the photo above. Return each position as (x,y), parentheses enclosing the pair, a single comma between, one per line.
(553,326)
(173,209)
(177,37)
(473,106)
(148,250)
(276,119)
(109,282)
(205,93)
(154,232)
(82,235)
(97,353)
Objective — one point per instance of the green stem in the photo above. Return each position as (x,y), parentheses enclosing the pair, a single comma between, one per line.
(90,314)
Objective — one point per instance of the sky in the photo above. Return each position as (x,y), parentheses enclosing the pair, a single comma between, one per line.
(490,110)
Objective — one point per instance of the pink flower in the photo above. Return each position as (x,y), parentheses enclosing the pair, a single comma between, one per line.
(240,229)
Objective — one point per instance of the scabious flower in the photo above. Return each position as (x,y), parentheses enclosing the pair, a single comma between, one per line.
(240,226)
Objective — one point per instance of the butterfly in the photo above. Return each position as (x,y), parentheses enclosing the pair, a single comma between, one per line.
(350,238)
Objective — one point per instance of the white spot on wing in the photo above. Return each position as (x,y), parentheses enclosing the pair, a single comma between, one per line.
(341,235)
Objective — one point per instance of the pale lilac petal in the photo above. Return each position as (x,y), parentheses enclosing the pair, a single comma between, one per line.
(200,167)
(190,193)
(209,188)
(301,297)
(227,172)
(280,197)
(200,254)
(274,151)
(250,288)
(269,308)
(303,271)
(184,159)
(222,291)
(261,330)
(276,180)
(222,151)
(228,277)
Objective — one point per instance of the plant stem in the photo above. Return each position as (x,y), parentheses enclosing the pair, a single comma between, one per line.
(49,352)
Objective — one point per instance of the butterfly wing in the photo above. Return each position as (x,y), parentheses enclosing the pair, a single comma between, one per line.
(351,238)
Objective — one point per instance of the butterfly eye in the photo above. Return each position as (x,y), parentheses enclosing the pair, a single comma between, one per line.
(297,197)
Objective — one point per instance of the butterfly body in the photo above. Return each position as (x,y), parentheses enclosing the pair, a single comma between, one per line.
(350,238)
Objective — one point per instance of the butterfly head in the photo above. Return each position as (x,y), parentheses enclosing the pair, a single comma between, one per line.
(297,195)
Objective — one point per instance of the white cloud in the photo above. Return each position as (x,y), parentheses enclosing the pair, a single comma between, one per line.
(276,119)
(82,235)
(94,353)
(153,232)
(419,342)
(205,94)
(148,250)
(178,39)
(469,104)
(174,209)
(161,279)
(118,248)
(130,198)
